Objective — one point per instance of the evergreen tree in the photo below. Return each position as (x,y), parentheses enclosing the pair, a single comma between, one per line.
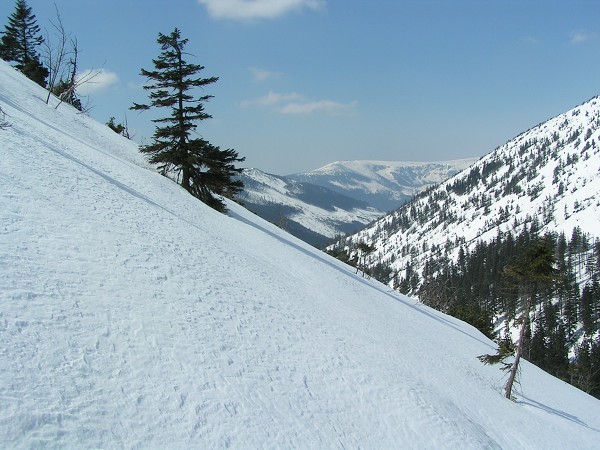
(568,297)
(557,359)
(476,288)
(532,272)
(19,40)
(119,128)
(537,347)
(364,250)
(595,368)
(214,172)
(585,372)
(590,307)
(580,370)
(202,169)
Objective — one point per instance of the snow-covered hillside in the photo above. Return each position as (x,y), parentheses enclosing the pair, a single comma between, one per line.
(312,213)
(384,185)
(550,173)
(133,316)
(339,198)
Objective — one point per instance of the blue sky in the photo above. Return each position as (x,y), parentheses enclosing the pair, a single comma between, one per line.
(307,82)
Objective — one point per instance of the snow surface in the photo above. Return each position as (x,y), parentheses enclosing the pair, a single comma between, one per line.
(132,316)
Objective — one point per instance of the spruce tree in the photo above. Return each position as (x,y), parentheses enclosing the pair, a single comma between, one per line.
(363,250)
(119,128)
(590,307)
(19,41)
(595,367)
(585,373)
(532,273)
(202,169)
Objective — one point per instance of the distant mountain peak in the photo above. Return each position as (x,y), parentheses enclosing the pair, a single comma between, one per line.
(385,185)
(341,197)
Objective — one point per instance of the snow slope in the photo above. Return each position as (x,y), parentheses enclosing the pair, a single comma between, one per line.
(132,316)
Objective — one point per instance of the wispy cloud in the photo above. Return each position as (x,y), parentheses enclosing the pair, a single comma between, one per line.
(262,74)
(95,81)
(257,9)
(328,106)
(579,36)
(529,40)
(271,99)
(295,104)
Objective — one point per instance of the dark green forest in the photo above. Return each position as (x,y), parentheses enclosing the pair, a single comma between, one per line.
(562,336)
(566,313)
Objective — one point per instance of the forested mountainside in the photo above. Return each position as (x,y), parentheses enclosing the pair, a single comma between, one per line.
(451,244)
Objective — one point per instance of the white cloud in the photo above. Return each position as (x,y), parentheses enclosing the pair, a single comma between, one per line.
(580,36)
(293,103)
(319,105)
(271,99)
(262,75)
(95,81)
(256,9)
(530,40)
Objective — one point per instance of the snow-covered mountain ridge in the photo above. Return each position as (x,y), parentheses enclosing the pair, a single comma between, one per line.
(385,185)
(312,213)
(339,198)
(133,316)
(550,173)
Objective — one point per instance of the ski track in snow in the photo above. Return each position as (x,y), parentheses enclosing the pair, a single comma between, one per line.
(131,316)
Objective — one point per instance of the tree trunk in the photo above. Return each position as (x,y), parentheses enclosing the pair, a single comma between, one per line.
(519,352)
(186,170)
(185,178)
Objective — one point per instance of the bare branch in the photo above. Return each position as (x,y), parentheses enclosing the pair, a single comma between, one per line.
(54,53)
(3,122)
(126,132)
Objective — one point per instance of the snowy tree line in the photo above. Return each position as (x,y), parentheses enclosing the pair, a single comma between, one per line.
(49,60)
(563,335)
(203,169)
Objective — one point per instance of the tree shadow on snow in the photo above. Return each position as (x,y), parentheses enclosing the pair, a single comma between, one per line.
(535,404)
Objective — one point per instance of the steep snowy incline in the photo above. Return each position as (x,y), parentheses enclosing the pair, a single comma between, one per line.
(132,316)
